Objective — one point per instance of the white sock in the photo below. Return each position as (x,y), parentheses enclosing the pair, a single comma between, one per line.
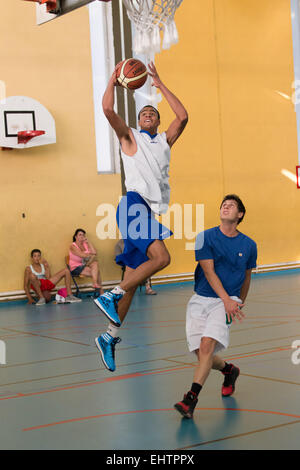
(118,290)
(113,330)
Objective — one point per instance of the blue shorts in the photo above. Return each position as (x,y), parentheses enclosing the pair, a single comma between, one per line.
(139,229)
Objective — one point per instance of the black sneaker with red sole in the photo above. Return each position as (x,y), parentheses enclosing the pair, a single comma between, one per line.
(186,406)
(228,386)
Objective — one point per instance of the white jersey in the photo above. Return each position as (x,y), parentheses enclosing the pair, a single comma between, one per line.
(147,171)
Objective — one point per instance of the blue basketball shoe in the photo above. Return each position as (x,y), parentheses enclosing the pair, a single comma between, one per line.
(108,303)
(106,345)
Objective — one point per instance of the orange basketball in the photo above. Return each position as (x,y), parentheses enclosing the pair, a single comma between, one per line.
(131,74)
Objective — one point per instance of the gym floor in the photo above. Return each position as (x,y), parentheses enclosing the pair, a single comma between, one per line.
(56,394)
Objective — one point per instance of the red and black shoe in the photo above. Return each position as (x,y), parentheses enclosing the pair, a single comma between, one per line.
(187,405)
(228,386)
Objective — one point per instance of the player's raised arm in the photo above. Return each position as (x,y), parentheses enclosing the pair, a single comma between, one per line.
(117,123)
(177,126)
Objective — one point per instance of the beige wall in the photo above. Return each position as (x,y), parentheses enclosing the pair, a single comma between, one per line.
(231,59)
(56,186)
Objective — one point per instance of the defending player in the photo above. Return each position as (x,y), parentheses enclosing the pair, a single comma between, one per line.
(222,278)
(146,158)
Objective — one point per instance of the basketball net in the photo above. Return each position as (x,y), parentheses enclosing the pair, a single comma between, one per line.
(149,18)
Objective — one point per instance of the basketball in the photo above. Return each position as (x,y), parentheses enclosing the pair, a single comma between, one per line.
(131,74)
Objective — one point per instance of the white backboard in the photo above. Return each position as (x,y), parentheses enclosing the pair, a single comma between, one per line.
(21,113)
(63,7)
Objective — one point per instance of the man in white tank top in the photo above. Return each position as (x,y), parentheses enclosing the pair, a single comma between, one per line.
(146,157)
(38,277)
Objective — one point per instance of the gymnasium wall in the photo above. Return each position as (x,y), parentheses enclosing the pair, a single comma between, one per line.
(231,61)
(56,186)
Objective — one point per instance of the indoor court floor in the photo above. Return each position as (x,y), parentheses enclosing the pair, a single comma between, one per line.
(56,394)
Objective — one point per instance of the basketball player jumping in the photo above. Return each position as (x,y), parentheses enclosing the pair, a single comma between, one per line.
(146,159)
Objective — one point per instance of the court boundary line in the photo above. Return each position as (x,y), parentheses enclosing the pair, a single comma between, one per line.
(122,413)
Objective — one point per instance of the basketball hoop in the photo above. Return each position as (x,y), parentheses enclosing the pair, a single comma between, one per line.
(50,4)
(26,136)
(149,18)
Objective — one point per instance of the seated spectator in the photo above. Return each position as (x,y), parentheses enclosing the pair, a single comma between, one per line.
(82,259)
(38,277)
(119,247)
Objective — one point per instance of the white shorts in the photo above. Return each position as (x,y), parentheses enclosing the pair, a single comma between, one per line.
(206,316)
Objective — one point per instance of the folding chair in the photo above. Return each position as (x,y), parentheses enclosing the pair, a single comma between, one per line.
(95,294)
(67,261)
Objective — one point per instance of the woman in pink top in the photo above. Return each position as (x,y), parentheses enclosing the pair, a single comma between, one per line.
(82,259)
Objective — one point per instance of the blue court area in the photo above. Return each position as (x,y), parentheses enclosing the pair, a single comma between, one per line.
(56,394)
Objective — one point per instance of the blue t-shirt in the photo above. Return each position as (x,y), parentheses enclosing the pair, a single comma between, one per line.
(232,257)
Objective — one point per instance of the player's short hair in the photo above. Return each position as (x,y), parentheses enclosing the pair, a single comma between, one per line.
(76,233)
(149,106)
(241,207)
(36,250)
